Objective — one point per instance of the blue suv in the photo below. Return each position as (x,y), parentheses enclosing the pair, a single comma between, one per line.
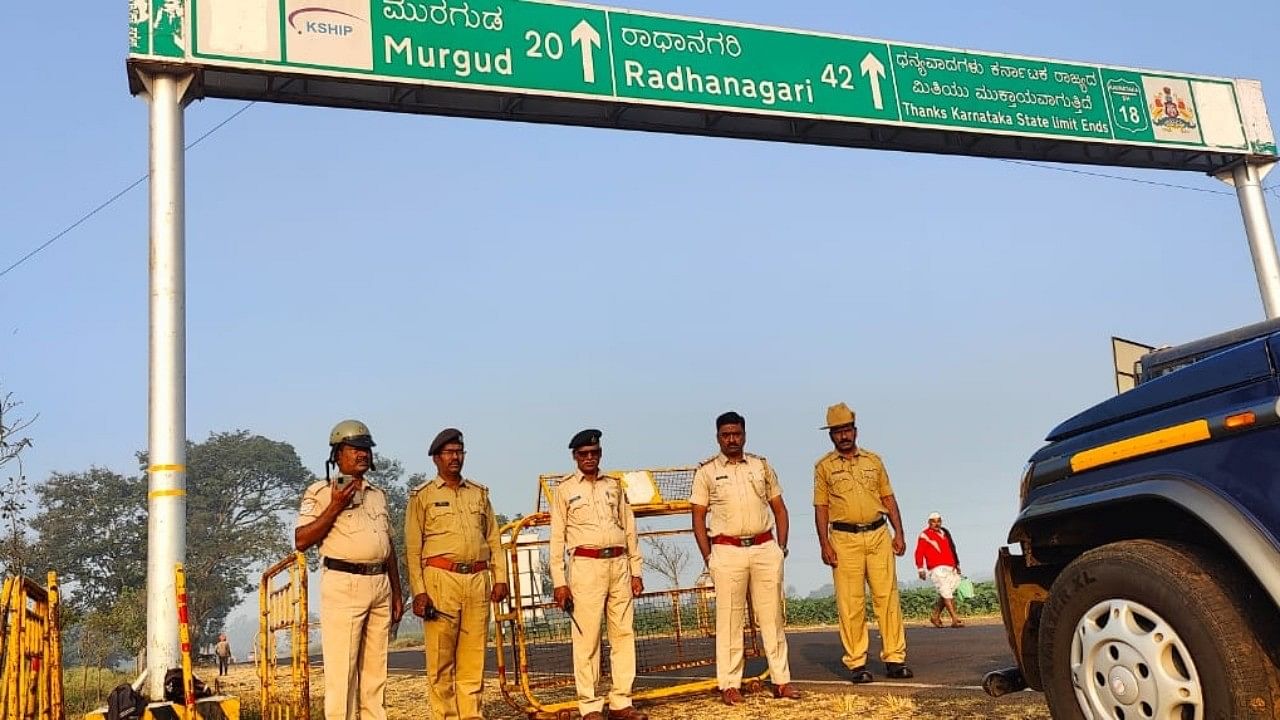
(1148,582)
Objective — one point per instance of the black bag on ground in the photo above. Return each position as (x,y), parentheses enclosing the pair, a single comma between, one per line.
(173,686)
(124,703)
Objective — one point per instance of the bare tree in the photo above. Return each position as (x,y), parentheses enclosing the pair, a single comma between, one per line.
(15,553)
(666,558)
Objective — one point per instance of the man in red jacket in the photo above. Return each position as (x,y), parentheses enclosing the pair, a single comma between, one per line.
(937,558)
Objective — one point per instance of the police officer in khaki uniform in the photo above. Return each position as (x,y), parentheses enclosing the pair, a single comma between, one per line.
(456,569)
(591,518)
(360,584)
(745,552)
(852,499)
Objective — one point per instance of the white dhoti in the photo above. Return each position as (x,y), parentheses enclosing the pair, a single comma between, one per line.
(946,580)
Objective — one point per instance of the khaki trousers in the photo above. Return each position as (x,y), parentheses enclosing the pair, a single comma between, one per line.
(355,625)
(602,587)
(455,647)
(861,559)
(735,571)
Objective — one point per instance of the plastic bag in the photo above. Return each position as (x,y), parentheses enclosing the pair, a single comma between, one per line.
(964,590)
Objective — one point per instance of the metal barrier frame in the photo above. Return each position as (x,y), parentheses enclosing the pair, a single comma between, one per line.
(285,608)
(31,653)
(518,690)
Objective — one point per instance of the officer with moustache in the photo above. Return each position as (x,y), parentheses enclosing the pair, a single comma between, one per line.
(853,505)
(743,550)
(592,519)
(360,581)
(456,568)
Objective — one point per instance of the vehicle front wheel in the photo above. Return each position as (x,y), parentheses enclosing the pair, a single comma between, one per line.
(1144,629)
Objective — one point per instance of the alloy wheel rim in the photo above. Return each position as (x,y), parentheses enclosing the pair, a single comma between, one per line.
(1128,663)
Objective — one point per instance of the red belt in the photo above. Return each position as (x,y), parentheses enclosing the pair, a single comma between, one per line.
(465,568)
(606,552)
(750,541)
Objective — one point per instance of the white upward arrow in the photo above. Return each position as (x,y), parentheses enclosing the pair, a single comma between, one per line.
(585,36)
(871,67)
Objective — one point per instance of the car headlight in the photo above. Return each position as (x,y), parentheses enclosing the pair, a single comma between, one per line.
(1025,484)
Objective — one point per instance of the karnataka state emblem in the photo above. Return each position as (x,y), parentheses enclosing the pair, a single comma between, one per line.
(1171,112)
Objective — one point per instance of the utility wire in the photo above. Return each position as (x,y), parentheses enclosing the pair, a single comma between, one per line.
(1140,181)
(118,195)
(1273,189)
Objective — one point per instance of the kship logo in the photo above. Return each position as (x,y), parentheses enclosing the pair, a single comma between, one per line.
(322,21)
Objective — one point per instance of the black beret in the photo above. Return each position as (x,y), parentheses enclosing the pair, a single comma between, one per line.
(730,418)
(590,436)
(446,436)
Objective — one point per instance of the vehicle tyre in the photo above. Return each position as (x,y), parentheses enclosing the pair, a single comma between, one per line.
(1147,629)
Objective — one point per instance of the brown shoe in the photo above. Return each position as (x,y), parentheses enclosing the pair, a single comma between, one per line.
(731,696)
(593,716)
(627,713)
(786,690)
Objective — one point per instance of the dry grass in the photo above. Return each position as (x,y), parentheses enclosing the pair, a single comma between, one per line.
(407,697)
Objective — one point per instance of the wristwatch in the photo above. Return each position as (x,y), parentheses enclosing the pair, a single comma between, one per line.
(785,551)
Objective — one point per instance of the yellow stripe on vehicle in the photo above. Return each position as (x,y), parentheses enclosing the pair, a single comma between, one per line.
(1139,445)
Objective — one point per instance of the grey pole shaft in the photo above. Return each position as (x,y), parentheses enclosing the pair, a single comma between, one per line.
(167,451)
(1247,178)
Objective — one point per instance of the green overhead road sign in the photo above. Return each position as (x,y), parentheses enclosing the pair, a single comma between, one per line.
(559,50)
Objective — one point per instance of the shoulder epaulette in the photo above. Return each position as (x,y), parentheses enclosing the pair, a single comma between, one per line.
(761,458)
(824,458)
(420,486)
(709,460)
(478,485)
(870,453)
(317,485)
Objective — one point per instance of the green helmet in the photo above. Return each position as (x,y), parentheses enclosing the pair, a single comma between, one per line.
(351,432)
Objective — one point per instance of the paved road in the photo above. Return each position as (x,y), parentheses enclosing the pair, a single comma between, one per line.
(950,657)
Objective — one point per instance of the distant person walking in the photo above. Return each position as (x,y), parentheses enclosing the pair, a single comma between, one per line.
(223,652)
(937,559)
(853,502)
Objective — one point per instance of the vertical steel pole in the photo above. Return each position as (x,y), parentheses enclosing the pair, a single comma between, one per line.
(167,451)
(1247,179)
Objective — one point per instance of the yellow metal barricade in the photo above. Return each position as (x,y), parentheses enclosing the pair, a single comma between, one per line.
(31,653)
(674,626)
(282,601)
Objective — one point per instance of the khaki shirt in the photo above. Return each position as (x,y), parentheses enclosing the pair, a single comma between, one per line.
(736,495)
(362,532)
(851,487)
(593,514)
(457,523)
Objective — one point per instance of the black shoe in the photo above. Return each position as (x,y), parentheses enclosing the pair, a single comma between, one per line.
(898,671)
(860,675)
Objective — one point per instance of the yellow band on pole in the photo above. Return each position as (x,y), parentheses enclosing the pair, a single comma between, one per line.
(167,468)
(166,493)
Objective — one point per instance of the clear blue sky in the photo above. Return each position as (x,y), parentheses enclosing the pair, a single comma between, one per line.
(522,282)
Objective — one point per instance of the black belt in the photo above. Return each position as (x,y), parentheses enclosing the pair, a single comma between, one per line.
(857,528)
(355,568)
